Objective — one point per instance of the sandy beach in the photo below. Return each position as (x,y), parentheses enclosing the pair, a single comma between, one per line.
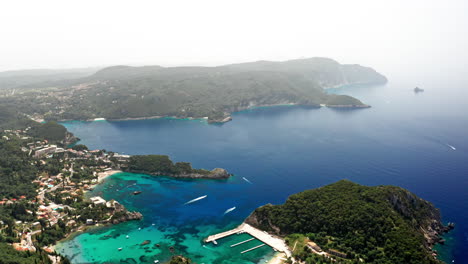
(103,175)
(279,258)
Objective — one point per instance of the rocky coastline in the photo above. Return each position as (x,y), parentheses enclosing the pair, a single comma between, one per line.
(216,174)
(420,216)
(349,106)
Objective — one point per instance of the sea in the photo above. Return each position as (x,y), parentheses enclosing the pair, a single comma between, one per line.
(418,141)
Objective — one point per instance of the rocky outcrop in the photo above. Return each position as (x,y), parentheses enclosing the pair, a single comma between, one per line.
(121,214)
(219,120)
(126,216)
(428,221)
(259,218)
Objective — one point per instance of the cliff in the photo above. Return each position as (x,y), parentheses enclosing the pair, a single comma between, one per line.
(378,224)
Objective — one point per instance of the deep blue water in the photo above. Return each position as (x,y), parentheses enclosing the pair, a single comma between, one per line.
(402,140)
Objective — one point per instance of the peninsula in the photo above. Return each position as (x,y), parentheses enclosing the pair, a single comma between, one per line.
(351,223)
(212,93)
(158,165)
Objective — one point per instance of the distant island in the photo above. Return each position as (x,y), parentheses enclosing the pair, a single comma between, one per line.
(351,223)
(418,90)
(213,93)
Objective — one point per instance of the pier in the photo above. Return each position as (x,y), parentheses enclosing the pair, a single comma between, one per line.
(245,241)
(245,251)
(276,243)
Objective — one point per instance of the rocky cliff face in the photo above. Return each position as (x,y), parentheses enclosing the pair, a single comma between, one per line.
(428,220)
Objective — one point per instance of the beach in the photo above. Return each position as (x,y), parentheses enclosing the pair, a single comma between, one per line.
(103,175)
(278,258)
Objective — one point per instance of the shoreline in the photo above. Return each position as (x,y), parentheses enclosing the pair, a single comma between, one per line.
(82,228)
(278,258)
(101,177)
(225,119)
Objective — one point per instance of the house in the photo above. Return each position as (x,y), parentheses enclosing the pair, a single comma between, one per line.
(314,246)
(337,253)
(97,200)
(45,151)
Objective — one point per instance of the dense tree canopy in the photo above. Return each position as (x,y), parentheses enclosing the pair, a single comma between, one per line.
(214,92)
(379,224)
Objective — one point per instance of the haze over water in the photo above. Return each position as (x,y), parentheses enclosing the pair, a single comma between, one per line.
(405,139)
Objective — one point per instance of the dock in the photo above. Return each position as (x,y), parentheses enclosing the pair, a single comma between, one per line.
(245,251)
(276,243)
(245,241)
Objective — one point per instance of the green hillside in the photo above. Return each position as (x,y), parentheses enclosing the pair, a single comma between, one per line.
(382,224)
(134,92)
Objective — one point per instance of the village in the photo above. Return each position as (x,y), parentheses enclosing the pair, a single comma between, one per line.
(61,206)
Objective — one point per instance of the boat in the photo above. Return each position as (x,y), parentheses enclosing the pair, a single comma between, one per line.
(136,192)
(196,199)
(156,261)
(120,249)
(127,236)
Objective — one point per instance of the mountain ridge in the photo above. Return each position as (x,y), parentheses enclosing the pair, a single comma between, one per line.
(126,92)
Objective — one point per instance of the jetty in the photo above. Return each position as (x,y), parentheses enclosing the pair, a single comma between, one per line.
(245,241)
(276,243)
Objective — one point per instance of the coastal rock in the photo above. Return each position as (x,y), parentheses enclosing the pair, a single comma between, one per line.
(127,216)
(220,120)
(418,90)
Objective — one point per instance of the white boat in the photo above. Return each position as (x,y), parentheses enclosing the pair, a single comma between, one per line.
(229,210)
(120,249)
(127,236)
(156,261)
(196,199)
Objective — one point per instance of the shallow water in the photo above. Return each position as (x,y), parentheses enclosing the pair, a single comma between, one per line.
(402,140)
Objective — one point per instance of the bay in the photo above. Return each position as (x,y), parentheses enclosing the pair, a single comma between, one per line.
(405,139)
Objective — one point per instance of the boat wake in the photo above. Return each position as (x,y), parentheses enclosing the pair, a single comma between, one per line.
(207,248)
(452,147)
(245,179)
(196,199)
(229,210)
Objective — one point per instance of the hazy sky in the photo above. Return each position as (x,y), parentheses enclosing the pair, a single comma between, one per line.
(382,34)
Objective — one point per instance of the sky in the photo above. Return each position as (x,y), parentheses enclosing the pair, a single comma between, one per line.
(385,35)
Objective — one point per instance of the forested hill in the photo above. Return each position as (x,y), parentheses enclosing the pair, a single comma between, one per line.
(132,92)
(382,224)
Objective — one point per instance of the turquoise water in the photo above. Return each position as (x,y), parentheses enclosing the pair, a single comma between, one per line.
(167,223)
(403,140)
